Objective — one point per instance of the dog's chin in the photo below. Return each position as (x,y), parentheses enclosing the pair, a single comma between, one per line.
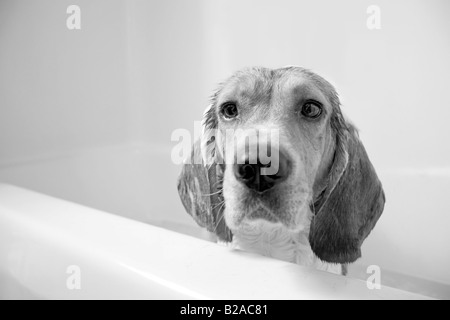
(261,217)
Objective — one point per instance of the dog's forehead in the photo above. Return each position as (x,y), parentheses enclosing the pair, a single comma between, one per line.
(294,86)
(254,84)
(261,85)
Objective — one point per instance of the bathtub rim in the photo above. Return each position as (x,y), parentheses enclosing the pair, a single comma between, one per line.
(185,269)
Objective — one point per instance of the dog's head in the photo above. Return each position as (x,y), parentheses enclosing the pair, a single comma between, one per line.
(276,148)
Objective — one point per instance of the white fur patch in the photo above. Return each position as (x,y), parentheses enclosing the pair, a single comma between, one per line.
(276,241)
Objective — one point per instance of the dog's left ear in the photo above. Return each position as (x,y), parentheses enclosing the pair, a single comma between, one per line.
(352,202)
(200,182)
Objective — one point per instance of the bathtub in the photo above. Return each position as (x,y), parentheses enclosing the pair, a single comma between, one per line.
(106,223)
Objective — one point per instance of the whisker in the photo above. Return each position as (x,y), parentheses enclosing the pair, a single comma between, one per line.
(211,194)
(219,204)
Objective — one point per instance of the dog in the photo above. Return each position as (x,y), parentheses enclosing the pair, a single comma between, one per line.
(324,197)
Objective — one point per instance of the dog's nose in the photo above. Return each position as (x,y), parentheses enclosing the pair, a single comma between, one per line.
(250,174)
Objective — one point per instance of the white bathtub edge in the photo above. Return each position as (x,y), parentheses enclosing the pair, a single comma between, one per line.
(41,237)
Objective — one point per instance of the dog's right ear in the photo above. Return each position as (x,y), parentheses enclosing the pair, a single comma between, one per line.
(200,181)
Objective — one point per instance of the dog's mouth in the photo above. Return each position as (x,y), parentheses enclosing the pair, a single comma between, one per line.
(255,209)
(264,213)
(288,209)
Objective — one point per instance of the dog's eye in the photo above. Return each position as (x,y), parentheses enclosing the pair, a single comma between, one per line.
(229,110)
(311,110)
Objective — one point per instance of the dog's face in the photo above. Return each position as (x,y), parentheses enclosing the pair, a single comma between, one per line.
(296,107)
(277,149)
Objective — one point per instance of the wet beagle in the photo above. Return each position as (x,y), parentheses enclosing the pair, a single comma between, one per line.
(321,199)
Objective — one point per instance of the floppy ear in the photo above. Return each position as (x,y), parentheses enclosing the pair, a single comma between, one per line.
(352,202)
(200,182)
